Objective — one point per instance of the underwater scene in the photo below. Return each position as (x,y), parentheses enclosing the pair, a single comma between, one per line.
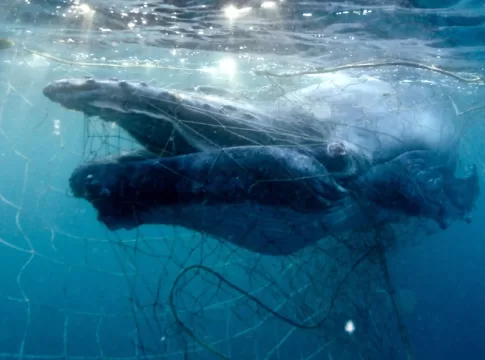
(242,179)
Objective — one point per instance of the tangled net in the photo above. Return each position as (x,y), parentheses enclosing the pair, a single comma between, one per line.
(189,296)
(322,292)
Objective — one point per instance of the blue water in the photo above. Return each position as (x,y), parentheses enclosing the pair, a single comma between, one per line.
(71,289)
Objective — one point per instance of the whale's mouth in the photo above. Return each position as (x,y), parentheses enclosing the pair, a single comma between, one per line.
(200,119)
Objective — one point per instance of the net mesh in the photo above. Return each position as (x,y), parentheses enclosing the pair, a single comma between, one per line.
(164,292)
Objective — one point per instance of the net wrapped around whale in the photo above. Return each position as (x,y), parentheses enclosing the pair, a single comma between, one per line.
(333,299)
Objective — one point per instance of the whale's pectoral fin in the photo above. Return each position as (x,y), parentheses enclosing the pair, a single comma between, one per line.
(420,184)
(123,191)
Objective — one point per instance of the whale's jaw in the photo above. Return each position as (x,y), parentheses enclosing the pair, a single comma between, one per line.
(181,122)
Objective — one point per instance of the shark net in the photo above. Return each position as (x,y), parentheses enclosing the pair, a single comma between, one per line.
(206,298)
(73,290)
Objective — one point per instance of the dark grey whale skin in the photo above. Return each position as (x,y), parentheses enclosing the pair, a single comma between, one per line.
(290,190)
(271,200)
(260,198)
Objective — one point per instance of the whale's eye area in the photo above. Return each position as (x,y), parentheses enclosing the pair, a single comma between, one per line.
(336,149)
(92,187)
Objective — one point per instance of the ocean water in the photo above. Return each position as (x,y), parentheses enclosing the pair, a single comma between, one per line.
(71,289)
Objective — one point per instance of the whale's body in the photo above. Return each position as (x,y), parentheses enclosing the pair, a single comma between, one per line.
(273,177)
